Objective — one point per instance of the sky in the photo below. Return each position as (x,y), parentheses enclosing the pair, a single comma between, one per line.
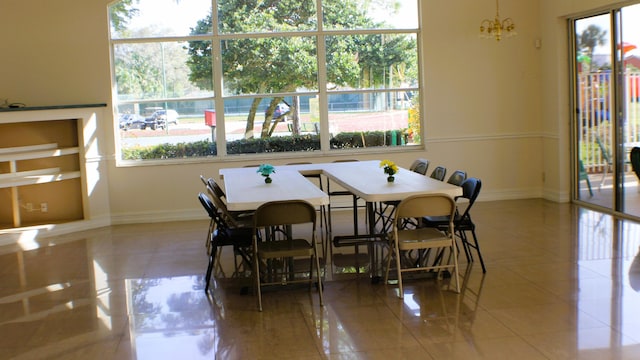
(630,28)
(186,13)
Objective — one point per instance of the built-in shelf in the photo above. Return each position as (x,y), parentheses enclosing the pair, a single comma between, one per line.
(17,178)
(18,157)
(44,183)
(35,152)
(29,178)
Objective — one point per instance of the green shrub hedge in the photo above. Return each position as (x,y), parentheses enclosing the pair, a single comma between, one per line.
(272,144)
(361,139)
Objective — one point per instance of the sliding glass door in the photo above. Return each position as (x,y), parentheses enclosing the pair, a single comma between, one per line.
(607,103)
(594,96)
(628,48)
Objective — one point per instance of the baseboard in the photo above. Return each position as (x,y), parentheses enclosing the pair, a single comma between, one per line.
(159,216)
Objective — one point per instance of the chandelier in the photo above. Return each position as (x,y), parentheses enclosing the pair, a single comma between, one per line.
(497,28)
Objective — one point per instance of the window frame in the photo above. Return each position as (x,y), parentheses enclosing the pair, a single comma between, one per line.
(218,96)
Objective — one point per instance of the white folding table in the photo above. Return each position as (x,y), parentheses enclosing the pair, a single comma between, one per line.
(368,181)
(246,190)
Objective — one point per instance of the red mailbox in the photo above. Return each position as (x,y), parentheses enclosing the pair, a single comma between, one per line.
(210,118)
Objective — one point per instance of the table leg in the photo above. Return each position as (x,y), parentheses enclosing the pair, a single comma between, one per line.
(373,250)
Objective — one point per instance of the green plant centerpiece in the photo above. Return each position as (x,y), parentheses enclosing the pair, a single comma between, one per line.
(390,168)
(266,170)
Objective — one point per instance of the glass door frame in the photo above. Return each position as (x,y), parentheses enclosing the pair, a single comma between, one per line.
(617,118)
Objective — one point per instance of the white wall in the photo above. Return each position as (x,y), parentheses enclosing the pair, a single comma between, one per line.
(497,110)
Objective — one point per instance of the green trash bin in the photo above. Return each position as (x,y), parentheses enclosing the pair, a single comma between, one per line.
(394,137)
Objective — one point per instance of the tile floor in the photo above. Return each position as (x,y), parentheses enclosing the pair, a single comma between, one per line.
(562,283)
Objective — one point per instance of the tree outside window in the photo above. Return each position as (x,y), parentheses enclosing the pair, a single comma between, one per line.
(260,70)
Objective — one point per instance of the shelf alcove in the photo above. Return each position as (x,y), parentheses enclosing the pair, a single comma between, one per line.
(50,161)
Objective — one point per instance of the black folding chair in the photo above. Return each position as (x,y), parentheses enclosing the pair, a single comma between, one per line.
(462,220)
(221,234)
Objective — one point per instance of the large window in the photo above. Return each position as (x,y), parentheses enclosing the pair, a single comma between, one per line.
(203,78)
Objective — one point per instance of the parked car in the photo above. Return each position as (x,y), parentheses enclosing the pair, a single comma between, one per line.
(280,109)
(131,121)
(161,119)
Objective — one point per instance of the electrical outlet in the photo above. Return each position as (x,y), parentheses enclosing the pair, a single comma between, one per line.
(29,207)
(44,207)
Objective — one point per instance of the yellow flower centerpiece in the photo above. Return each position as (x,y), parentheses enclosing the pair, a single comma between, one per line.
(390,168)
(266,170)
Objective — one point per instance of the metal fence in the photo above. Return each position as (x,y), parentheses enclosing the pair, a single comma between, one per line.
(595,113)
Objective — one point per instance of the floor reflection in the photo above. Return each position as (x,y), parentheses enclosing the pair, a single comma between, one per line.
(562,283)
(634,272)
(170,318)
(609,248)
